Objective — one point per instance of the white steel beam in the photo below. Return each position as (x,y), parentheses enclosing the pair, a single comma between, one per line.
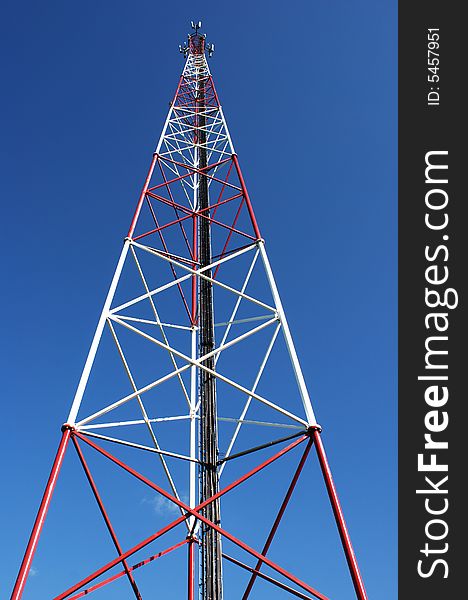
(156,316)
(97,337)
(193,425)
(249,399)
(200,365)
(144,413)
(311,420)
(134,422)
(165,378)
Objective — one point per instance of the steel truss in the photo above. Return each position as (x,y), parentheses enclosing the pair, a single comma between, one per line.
(162,248)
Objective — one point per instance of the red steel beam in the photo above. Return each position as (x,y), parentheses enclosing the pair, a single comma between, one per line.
(222,492)
(181,79)
(283,586)
(169,191)
(195,512)
(184,218)
(142,196)
(247,197)
(105,516)
(116,561)
(177,521)
(180,207)
(122,573)
(250,237)
(189,211)
(339,518)
(40,518)
(190,171)
(279,516)
(222,189)
(171,265)
(147,180)
(228,239)
(214,90)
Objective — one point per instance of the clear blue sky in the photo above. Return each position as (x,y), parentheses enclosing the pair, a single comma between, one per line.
(309,90)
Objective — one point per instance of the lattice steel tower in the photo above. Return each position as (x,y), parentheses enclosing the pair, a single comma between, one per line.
(193,292)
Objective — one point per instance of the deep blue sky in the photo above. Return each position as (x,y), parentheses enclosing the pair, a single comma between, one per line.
(309,92)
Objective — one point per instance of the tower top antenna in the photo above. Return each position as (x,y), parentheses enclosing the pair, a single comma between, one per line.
(196,25)
(196,42)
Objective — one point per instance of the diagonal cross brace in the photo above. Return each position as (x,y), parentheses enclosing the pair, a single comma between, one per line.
(142,563)
(277,521)
(196,513)
(105,516)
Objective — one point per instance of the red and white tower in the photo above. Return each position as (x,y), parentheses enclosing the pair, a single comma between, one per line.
(194,319)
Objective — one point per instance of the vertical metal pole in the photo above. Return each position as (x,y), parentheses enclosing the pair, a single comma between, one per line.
(40,518)
(191,571)
(210,539)
(339,517)
(193,427)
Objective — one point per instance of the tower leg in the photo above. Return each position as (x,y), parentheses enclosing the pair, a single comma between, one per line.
(339,517)
(41,515)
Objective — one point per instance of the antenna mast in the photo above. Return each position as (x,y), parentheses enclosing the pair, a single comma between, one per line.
(211,574)
(193,252)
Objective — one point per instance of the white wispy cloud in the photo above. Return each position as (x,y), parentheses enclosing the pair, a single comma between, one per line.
(163,506)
